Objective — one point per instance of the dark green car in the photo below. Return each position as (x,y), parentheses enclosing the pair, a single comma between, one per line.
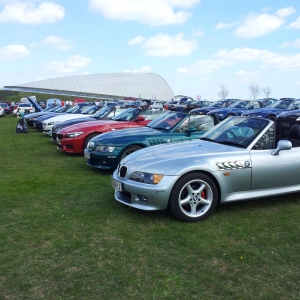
(106,150)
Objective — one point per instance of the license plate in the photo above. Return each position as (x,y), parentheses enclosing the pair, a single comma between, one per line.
(285,124)
(87,155)
(117,185)
(58,142)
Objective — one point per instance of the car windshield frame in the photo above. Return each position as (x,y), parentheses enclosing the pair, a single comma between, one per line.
(282,104)
(167,121)
(239,104)
(124,116)
(238,132)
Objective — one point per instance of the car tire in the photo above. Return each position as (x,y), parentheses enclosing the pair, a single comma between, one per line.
(88,138)
(129,150)
(193,198)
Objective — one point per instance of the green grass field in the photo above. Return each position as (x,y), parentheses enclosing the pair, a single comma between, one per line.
(63,236)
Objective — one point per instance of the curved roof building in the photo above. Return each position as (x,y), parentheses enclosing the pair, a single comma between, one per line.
(103,85)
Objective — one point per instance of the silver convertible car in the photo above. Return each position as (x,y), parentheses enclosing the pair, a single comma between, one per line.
(240,158)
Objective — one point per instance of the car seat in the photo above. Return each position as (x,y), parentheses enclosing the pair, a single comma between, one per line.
(294,135)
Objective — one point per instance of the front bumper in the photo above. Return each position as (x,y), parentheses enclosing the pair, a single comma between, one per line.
(144,196)
(101,161)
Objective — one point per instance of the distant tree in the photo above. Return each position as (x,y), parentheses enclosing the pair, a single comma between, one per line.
(254,90)
(266,90)
(223,92)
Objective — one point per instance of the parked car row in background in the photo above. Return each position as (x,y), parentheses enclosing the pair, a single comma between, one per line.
(187,162)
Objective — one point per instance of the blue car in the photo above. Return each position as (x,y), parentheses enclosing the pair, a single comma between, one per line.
(218,104)
(236,109)
(77,109)
(273,110)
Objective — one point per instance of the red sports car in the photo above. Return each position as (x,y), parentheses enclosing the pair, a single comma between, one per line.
(74,138)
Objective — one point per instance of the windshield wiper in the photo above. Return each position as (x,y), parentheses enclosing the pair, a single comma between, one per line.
(207,139)
(160,128)
(231,143)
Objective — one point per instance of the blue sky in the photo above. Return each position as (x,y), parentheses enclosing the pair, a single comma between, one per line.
(195,45)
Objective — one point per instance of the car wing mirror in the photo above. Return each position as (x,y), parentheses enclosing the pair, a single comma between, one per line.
(140,118)
(282,145)
(190,130)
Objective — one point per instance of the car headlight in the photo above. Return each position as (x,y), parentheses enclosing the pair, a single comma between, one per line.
(104,148)
(146,177)
(220,115)
(73,134)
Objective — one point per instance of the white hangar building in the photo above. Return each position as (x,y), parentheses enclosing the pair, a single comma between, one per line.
(103,85)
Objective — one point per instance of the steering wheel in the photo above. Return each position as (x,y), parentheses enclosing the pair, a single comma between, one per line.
(232,133)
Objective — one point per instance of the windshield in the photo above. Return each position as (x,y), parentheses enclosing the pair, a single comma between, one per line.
(90,110)
(236,131)
(218,104)
(127,115)
(167,121)
(281,104)
(239,104)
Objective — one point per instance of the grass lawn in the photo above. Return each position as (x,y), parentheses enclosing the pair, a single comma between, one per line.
(63,236)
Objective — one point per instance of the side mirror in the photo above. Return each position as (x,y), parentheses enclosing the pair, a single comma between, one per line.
(190,130)
(296,107)
(140,118)
(282,145)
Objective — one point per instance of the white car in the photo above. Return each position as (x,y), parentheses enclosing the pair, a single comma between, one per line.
(156,104)
(22,107)
(87,112)
(2,112)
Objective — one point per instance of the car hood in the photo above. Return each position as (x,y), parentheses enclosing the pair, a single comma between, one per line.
(227,110)
(75,121)
(35,104)
(67,116)
(290,114)
(266,111)
(88,125)
(174,158)
(114,136)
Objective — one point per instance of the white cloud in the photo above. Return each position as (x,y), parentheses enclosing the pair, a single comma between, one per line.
(285,12)
(222,25)
(70,65)
(244,73)
(197,32)
(144,69)
(154,12)
(294,44)
(57,42)
(164,45)
(259,25)
(137,40)
(295,24)
(243,54)
(27,13)
(223,58)
(12,52)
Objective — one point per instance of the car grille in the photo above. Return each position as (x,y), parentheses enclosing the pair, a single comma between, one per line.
(60,136)
(122,171)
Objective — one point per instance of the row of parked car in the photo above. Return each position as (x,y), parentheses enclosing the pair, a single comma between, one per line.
(185,162)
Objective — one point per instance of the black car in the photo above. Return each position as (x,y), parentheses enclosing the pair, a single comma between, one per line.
(266,101)
(216,105)
(288,119)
